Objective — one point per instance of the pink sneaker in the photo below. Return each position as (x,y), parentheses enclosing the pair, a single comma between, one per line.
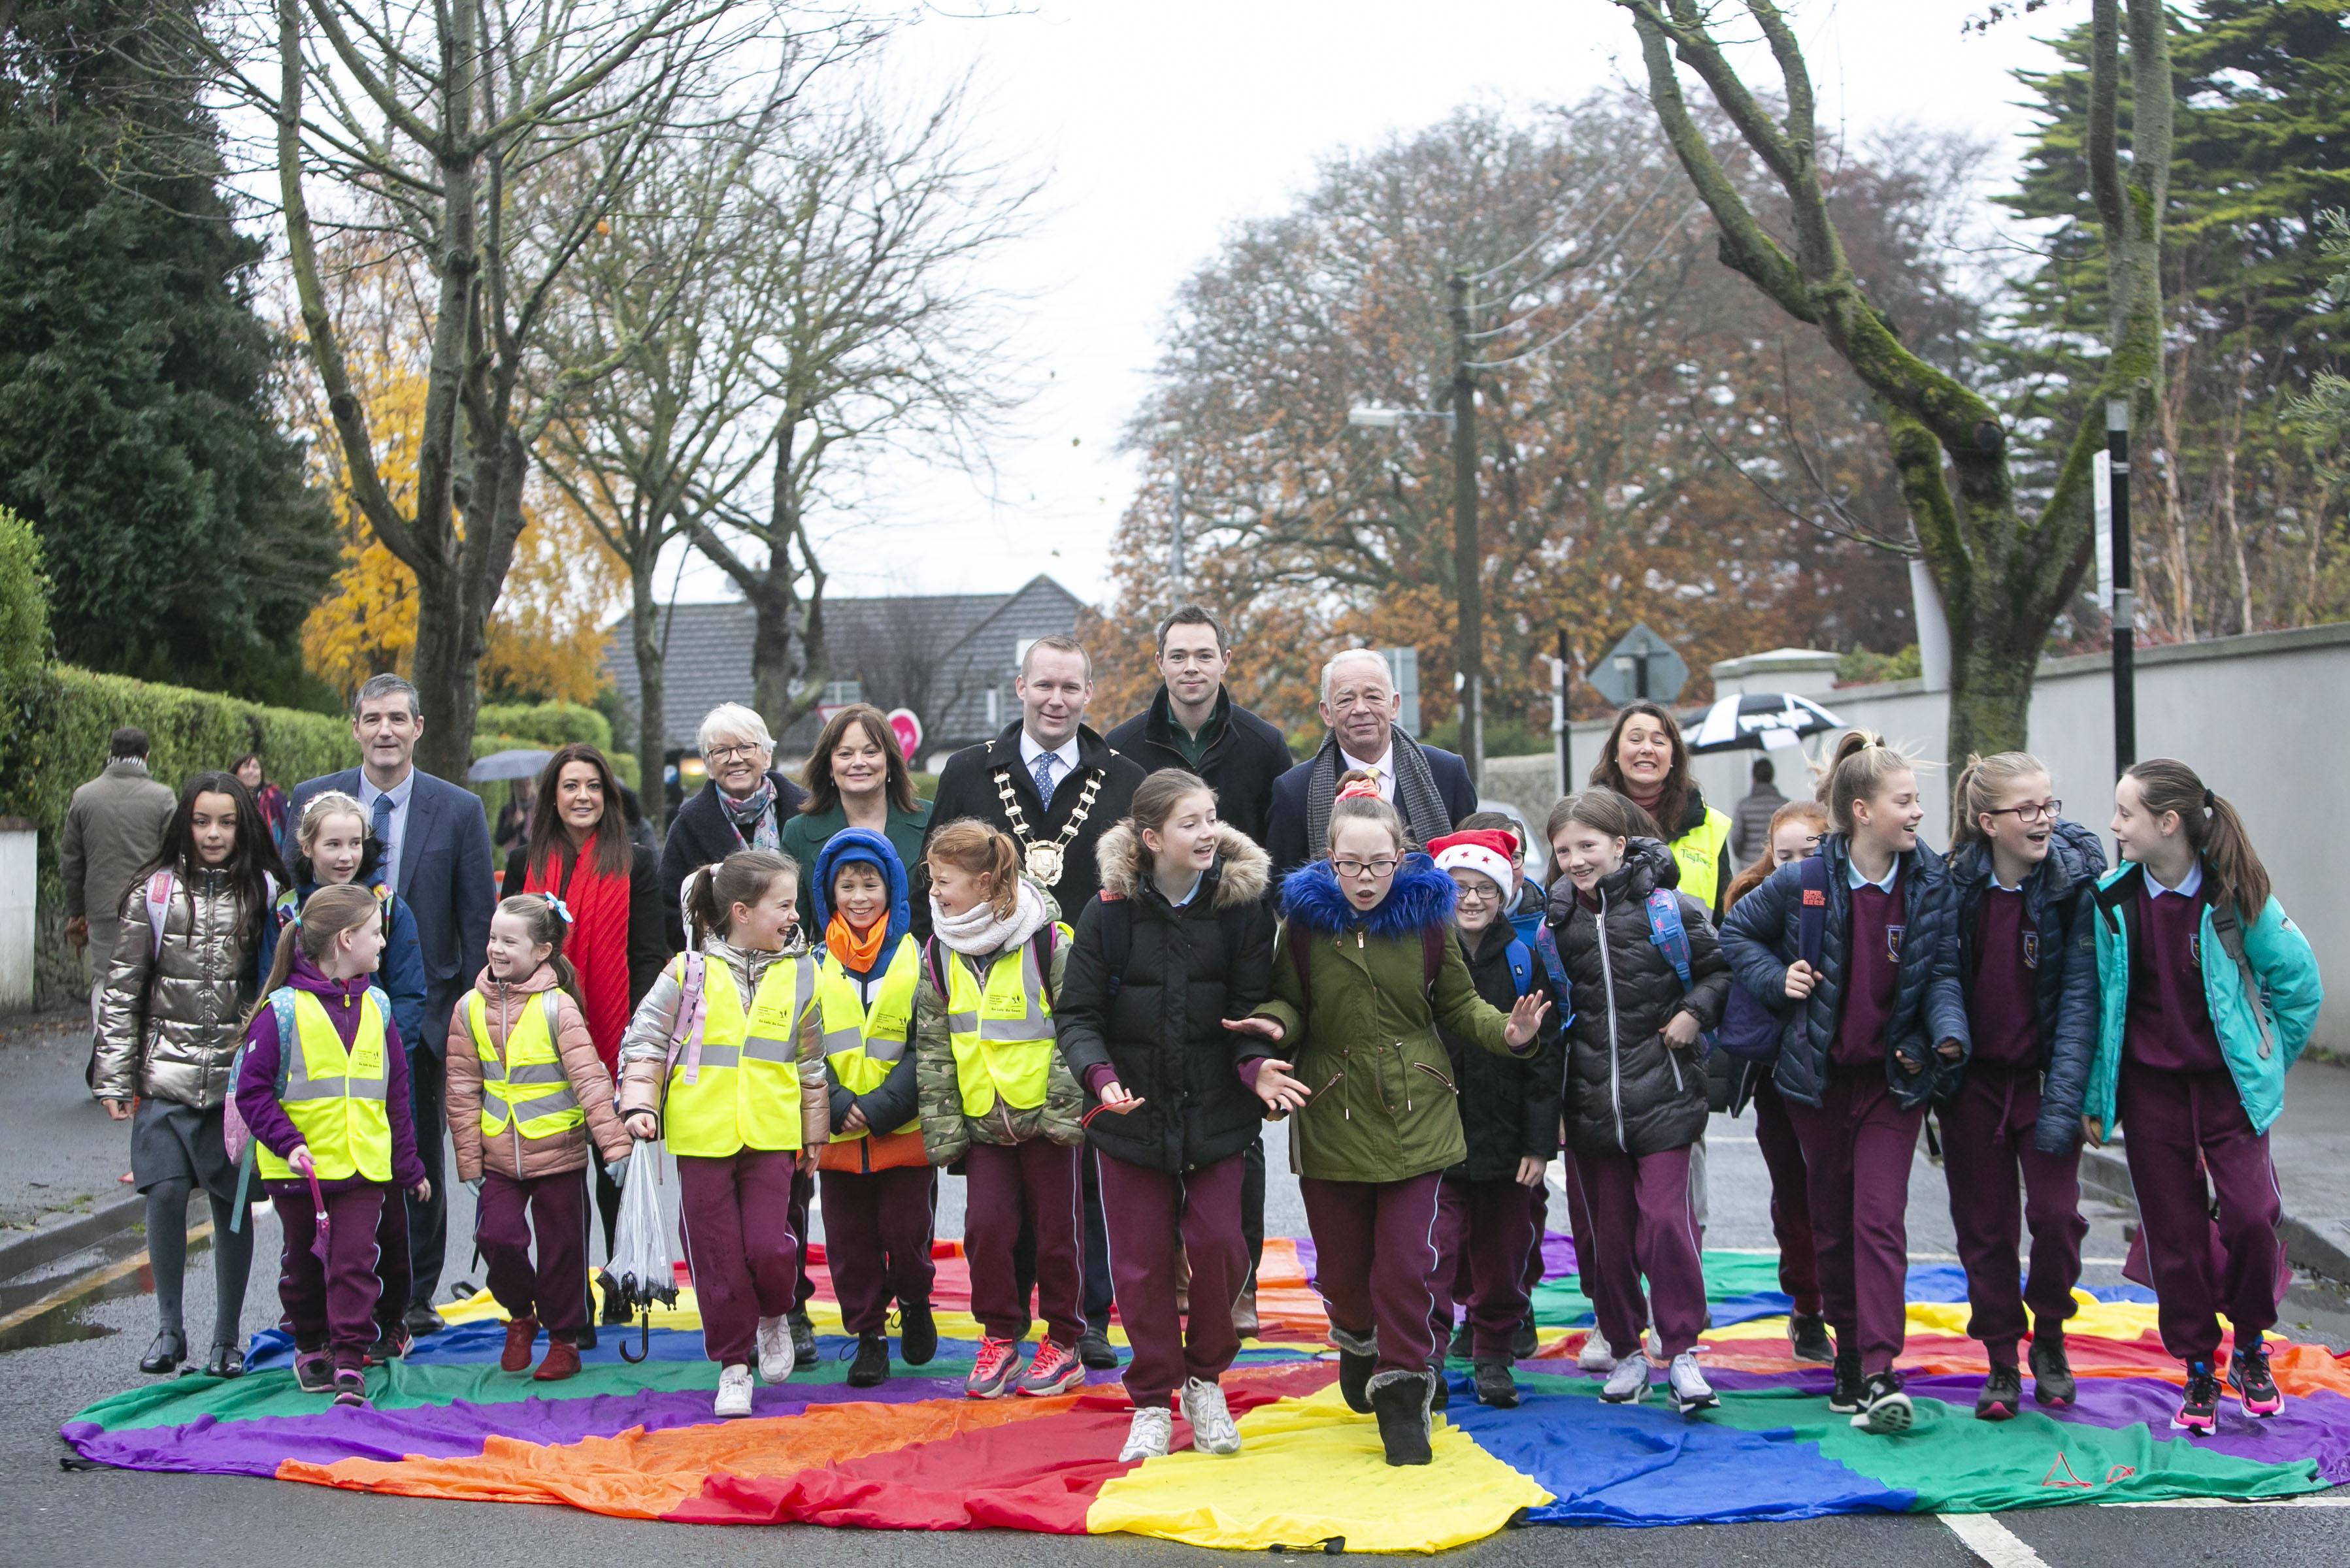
(1056,1370)
(992,1369)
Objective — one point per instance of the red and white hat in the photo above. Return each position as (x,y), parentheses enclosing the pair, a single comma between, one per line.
(1484,850)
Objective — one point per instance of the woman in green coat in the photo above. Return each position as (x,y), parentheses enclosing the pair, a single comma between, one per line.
(1369,970)
(855,777)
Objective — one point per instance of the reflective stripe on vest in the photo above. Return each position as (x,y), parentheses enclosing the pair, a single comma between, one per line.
(863,1043)
(335,1097)
(525,1084)
(747,1092)
(1002,1033)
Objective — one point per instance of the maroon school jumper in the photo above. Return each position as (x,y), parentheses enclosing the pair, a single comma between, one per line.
(736,1213)
(1987,1133)
(1149,1212)
(1483,1229)
(1001,1183)
(508,1212)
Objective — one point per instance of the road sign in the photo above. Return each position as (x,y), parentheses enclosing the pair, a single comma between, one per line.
(1642,665)
(909,730)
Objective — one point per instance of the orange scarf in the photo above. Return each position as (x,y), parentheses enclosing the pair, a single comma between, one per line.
(858,950)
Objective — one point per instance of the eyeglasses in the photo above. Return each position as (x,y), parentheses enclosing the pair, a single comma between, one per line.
(1477,896)
(1383,867)
(728,754)
(2041,811)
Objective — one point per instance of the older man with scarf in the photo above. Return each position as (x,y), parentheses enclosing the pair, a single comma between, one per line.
(1429,787)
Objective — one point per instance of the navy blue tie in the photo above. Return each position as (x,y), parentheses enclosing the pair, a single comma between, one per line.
(1044,771)
(383,838)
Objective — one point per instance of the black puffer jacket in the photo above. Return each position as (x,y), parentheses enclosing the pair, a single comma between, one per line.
(1509,1108)
(1161,1028)
(1626,1089)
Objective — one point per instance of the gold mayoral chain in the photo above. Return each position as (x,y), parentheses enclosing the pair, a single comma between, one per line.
(1044,861)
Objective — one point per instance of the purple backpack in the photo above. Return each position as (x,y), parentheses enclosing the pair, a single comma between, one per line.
(1749,1030)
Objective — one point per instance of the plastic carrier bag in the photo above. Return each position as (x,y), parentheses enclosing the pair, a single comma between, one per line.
(642,1267)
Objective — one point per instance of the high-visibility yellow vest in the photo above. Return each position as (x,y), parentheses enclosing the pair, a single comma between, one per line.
(864,1042)
(1698,854)
(525,1085)
(745,1093)
(334,1098)
(1002,1032)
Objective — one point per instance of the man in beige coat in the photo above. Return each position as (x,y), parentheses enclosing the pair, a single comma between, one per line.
(114,826)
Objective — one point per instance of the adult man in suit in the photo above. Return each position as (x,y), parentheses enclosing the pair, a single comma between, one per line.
(436,857)
(1429,787)
(1193,723)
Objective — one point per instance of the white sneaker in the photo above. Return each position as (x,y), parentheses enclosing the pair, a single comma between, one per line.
(775,1359)
(1147,1437)
(734,1389)
(1594,1355)
(1686,1387)
(1628,1383)
(1654,1345)
(1212,1431)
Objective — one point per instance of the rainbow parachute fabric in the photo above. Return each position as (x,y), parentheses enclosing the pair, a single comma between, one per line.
(641,1441)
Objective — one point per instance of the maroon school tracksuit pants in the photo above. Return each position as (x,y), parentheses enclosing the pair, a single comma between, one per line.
(1375,1261)
(1790,1205)
(2167,1118)
(877,1240)
(1986,1146)
(331,1305)
(510,1209)
(1149,1212)
(1642,1223)
(1482,1229)
(1857,1146)
(1538,1218)
(1001,1183)
(736,1212)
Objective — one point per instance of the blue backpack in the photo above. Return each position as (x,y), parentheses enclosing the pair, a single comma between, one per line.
(1749,1029)
(1670,936)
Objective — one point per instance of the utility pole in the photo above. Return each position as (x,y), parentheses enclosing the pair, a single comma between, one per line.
(1561,719)
(2125,616)
(1468,560)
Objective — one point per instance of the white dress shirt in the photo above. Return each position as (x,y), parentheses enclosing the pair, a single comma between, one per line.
(1065,758)
(1856,881)
(1382,771)
(2189,885)
(397,839)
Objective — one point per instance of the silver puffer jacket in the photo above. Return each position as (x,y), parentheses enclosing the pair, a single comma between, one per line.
(171,1034)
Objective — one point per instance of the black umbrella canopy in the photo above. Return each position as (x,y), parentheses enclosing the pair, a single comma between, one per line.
(1759,721)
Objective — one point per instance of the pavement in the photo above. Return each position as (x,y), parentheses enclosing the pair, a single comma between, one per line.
(72,1328)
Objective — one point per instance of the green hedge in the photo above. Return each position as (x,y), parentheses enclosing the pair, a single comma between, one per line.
(24,602)
(549,724)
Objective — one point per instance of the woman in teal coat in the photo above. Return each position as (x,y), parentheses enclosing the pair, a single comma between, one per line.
(856,777)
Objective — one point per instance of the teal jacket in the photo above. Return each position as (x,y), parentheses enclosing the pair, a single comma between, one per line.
(2281,960)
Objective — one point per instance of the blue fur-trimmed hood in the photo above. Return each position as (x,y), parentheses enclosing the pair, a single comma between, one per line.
(1420,896)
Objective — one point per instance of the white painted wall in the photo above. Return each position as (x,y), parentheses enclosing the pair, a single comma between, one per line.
(18,844)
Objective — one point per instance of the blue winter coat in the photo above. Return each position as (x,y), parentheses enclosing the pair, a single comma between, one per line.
(400,974)
(2059,900)
(1761,936)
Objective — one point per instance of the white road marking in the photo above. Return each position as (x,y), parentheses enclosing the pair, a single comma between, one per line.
(1992,1541)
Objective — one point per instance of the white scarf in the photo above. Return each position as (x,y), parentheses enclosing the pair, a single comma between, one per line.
(978,933)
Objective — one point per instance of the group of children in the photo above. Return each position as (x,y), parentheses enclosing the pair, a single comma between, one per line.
(1428,1051)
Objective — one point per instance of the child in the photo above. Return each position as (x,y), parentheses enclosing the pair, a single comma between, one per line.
(1636,1086)
(996,1095)
(328,1104)
(168,1012)
(1869,1038)
(523,1105)
(880,1189)
(1180,941)
(1509,1120)
(1367,972)
(1794,834)
(1522,901)
(2208,994)
(2025,881)
(724,1058)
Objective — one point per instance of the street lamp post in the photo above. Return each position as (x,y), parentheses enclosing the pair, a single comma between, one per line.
(2125,616)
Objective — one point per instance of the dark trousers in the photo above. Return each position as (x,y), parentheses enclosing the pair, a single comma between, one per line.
(740,1246)
(428,1219)
(554,1208)
(1986,1149)
(392,1265)
(876,1241)
(1036,1184)
(1857,1146)
(803,1200)
(1642,1223)
(2169,1119)
(1375,1261)
(608,1199)
(1578,1227)
(332,1305)
(1158,1214)
(1538,1219)
(1483,1228)
(1253,1203)
(1791,1203)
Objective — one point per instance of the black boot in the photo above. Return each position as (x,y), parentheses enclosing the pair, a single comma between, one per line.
(1400,1399)
(918,1332)
(171,1348)
(871,1368)
(803,1340)
(1358,1357)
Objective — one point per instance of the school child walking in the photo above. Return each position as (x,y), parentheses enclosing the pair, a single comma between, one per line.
(2208,994)
(724,1059)
(878,1188)
(1180,941)
(1871,1036)
(2026,881)
(1367,973)
(322,1083)
(524,1104)
(996,1095)
(1636,1084)
(170,1015)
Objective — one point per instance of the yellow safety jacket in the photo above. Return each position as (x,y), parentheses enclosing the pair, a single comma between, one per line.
(1698,854)
(335,1097)
(743,1091)
(528,1086)
(863,1043)
(1002,1034)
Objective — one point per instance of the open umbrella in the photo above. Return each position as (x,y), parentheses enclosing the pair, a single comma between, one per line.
(1760,721)
(524,763)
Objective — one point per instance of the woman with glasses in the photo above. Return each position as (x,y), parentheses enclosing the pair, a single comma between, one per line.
(2026,881)
(744,805)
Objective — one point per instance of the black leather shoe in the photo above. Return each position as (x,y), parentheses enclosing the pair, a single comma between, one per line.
(169,1349)
(1095,1350)
(228,1361)
(421,1320)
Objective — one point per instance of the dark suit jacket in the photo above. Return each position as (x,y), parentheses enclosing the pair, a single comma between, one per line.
(445,880)
(1243,759)
(699,835)
(1284,837)
(967,788)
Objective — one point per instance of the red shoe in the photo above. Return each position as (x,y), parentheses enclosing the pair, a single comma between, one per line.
(562,1361)
(1056,1370)
(522,1336)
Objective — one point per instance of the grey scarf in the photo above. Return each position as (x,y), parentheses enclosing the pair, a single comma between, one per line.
(1416,794)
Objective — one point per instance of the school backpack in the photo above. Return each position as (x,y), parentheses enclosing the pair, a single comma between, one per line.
(1115,917)
(1670,936)
(1749,1030)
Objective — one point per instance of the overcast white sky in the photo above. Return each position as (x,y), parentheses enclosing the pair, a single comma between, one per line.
(1157,128)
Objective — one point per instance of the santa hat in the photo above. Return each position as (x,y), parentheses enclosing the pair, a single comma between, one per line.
(1484,850)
